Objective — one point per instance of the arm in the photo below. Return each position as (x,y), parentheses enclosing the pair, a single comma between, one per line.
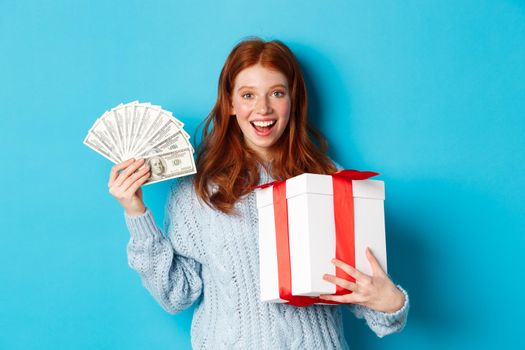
(172,279)
(375,298)
(383,323)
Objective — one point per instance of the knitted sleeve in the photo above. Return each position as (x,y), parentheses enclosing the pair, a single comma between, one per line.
(164,263)
(383,323)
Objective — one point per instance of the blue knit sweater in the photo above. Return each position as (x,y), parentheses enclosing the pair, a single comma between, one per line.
(212,258)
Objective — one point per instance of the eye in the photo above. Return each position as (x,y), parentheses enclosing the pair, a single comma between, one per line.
(278,93)
(247,95)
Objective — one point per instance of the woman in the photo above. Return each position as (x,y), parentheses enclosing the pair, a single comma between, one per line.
(257,132)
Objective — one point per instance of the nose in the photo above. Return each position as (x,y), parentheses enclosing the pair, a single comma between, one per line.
(263,106)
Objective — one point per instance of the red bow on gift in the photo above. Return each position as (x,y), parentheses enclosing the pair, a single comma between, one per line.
(344,230)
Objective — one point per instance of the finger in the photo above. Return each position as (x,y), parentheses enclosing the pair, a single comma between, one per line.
(115,170)
(352,271)
(134,177)
(340,282)
(127,172)
(377,270)
(346,298)
(135,186)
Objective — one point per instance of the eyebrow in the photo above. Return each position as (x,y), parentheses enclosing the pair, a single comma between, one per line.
(271,87)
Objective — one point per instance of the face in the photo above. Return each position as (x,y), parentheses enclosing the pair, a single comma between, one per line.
(157,167)
(261,103)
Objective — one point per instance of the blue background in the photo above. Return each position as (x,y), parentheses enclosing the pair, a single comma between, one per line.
(430,94)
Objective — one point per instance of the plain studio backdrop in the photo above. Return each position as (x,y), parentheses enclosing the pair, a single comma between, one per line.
(430,94)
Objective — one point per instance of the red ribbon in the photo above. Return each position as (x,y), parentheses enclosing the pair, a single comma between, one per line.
(344,230)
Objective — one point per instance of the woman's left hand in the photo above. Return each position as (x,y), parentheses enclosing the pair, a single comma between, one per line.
(377,292)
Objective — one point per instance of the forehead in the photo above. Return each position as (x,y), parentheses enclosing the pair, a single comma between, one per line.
(259,76)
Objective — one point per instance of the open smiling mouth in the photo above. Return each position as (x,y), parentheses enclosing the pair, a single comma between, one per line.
(263,126)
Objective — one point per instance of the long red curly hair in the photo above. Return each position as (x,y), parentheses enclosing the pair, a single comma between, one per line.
(226,167)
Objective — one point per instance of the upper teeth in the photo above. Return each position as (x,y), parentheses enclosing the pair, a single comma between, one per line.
(264,124)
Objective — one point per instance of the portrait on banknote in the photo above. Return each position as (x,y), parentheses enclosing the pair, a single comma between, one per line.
(157,167)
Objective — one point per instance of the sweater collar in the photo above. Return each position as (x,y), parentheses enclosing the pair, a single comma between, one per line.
(264,175)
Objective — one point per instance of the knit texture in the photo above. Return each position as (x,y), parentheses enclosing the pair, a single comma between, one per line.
(213,258)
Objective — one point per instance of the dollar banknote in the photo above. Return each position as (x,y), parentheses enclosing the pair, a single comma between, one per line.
(170,165)
(175,141)
(144,130)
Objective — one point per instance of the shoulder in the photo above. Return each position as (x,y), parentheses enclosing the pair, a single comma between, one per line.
(183,185)
(337,165)
(182,192)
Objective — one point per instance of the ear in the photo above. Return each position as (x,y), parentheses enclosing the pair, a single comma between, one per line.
(232,110)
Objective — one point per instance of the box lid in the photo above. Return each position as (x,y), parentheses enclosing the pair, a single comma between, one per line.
(309,183)
(264,196)
(372,189)
(322,184)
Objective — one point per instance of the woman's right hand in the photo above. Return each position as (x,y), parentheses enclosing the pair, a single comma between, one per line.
(124,184)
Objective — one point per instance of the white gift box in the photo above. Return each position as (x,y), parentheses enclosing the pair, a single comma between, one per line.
(312,236)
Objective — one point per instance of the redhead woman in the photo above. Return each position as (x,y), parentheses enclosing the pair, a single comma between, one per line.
(257,132)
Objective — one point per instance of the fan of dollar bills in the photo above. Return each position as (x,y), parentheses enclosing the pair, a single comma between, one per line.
(142,130)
